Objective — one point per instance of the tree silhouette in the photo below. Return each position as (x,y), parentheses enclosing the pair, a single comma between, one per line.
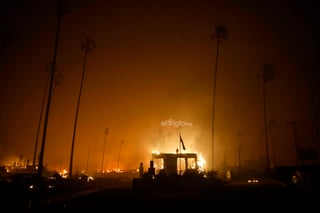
(88,45)
(61,9)
(57,81)
(106,132)
(118,169)
(268,72)
(221,33)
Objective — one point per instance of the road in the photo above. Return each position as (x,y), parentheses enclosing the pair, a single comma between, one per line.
(237,195)
(231,196)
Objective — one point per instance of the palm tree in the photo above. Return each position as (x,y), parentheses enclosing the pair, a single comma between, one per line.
(57,81)
(268,72)
(61,10)
(106,132)
(88,45)
(118,169)
(221,33)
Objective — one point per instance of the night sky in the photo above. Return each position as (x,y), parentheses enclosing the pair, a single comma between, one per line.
(154,61)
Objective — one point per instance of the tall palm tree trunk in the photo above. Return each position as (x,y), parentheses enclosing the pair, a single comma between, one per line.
(214,100)
(40,119)
(220,33)
(87,46)
(76,118)
(41,155)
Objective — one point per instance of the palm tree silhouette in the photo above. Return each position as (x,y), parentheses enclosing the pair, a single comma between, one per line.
(57,81)
(268,72)
(118,169)
(106,132)
(61,10)
(221,33)
(88,45)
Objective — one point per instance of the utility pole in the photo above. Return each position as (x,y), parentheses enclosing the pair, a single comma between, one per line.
(54,61)
(88,47)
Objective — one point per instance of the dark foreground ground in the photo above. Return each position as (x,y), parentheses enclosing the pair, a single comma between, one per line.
(119,195)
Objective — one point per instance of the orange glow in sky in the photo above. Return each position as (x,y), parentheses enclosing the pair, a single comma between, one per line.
(154,61)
